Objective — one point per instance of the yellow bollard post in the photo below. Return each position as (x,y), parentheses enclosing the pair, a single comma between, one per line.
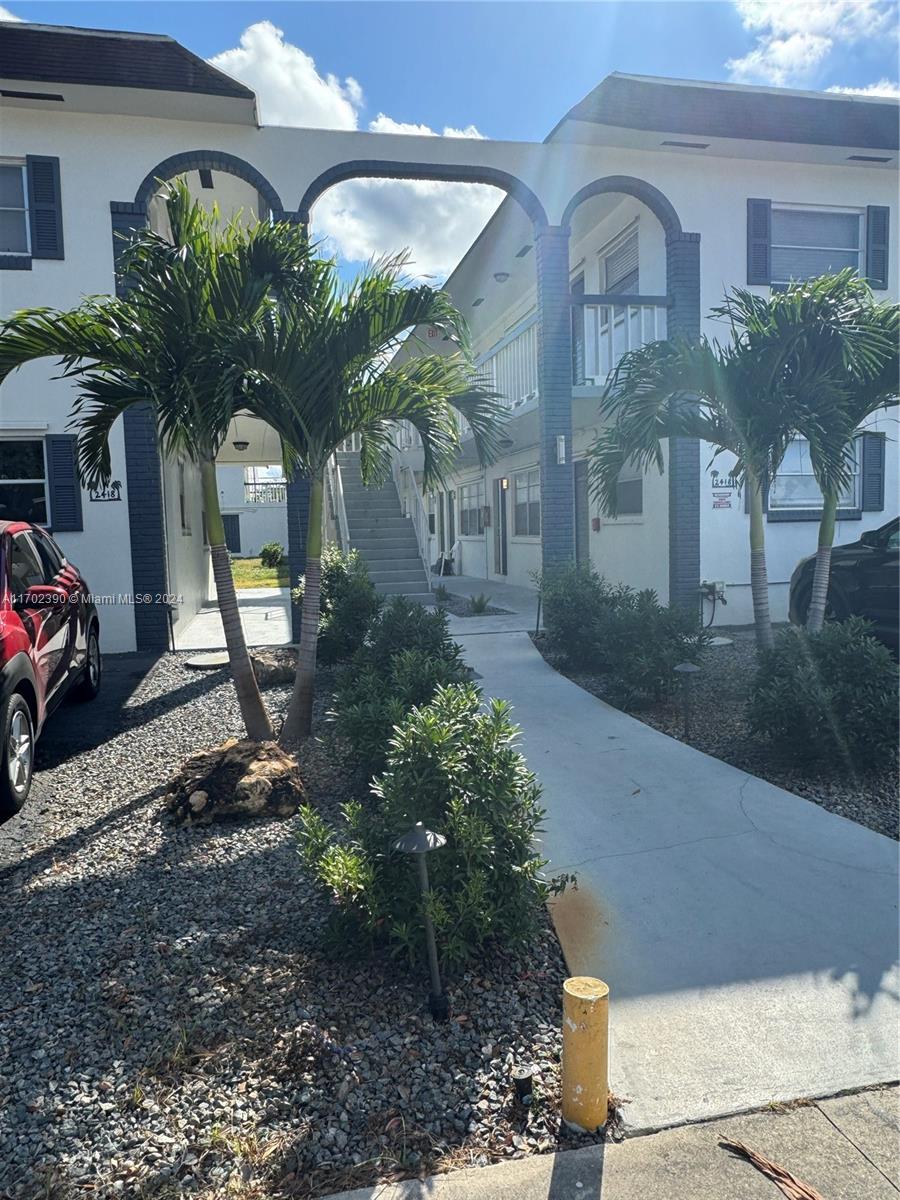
(585,1057)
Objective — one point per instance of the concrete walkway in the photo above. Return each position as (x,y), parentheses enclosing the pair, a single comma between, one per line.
(520,601)
(846,1147)
(749,938)
(265,616)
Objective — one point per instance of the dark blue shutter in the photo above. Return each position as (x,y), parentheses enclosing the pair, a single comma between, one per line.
(44,207)
(877,222)
(232,527)
(127,220)
(759,241)
(872,472)
(63,484)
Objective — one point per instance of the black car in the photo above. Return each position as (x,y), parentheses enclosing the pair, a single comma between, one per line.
(865,582)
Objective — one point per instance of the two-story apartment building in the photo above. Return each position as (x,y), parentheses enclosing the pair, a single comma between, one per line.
(647,200)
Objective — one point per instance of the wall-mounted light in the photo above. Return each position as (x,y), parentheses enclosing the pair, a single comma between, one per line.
(561,450)
(240,445)
(504,483)
(501,276)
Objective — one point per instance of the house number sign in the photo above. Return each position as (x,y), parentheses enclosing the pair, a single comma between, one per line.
(105,495)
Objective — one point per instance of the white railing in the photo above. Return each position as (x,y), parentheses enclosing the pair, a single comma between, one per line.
(273,492)
(611,330)
(512,368)
(336,498)
(413,506)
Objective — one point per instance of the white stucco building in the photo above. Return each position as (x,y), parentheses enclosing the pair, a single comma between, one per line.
(646,202)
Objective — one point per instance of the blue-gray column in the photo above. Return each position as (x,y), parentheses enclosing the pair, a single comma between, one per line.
(555,385)
(297,520)
(683,275)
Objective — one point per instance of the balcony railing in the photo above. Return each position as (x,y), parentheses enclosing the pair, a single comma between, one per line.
(610,326)
(274,492)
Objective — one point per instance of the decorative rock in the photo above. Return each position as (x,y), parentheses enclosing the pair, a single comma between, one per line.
(236,779)
(274,667)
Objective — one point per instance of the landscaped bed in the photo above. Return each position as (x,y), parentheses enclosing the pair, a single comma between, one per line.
(719,727)
(172,1022)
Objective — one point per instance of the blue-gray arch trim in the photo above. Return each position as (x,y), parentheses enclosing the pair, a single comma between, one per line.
(683,321)
(376,168)
(212,160)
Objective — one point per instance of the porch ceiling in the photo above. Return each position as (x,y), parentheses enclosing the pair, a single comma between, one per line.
(263,444)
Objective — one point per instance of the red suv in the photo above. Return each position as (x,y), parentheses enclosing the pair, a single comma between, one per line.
(49,645)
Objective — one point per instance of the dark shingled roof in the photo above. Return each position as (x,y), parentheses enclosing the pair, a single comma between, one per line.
(723,110)
(61,54)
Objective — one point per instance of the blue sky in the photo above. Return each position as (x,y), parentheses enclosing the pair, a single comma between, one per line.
(498,68)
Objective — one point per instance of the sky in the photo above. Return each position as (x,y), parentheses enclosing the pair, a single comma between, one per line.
(493,68)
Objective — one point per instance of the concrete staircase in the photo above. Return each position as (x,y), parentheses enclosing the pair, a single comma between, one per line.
(383,536)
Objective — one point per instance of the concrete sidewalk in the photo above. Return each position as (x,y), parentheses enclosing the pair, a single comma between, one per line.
(748,936)
(846,1147)
(265,616)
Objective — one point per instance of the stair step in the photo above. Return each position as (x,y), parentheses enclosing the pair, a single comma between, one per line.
(365,544)
(402,575)
(413,590)
(393,525)
(396,562)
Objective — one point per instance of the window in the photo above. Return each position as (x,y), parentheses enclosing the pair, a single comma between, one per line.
(471,509)
(14,233)
(182,500)
(814,241)
(52,557)
(795,487)
(528,503)
(23,489)
(630,491)
(619,270)
(26,568)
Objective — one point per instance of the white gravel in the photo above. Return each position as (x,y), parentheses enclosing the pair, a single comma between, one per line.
(169,1022)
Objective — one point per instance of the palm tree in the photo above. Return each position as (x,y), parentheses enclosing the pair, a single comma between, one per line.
(325,371)
(835,322)
(166,344)
(747,397)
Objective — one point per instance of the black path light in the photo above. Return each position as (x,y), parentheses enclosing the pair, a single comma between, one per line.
(419,841)
(688,673)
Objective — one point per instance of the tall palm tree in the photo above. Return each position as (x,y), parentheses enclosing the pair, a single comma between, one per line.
(746,397)
(324,371)
(166,344)
(835,322)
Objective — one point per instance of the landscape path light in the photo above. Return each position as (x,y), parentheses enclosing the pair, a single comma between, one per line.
(419,841)
(688,673)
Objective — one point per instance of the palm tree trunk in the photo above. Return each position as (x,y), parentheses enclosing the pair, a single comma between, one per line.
(253,711)
(759,577)
(815,617)
(298,722)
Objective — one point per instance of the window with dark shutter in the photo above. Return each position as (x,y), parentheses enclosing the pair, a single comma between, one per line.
(759,241)
(63,485)
(44,207)
(877,221)
(872,472)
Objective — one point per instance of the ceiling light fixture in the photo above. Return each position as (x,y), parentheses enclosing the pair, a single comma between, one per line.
(501,276)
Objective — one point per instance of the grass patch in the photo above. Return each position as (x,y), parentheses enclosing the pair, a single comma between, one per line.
(250,573)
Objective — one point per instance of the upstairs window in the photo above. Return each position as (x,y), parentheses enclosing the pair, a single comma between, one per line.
(14,232)
(815,241)
(23,480)
(619,271)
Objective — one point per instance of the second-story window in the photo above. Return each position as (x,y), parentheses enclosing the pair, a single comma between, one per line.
(619,271)
(814,241)
(14,233)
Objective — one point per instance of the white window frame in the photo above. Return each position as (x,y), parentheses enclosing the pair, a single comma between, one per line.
(6,437)
(859,251)
(23,167)
(465,494)
(523,474)
(614,244)
(845,504)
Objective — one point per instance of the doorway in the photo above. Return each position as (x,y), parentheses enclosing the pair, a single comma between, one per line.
(500,530)
(582,514)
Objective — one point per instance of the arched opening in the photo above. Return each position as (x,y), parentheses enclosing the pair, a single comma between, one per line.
(239,183)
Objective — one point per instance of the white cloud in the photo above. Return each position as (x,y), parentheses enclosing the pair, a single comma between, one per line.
(6,15)
(364,218)
(795,37)
(883,87)
(290,89)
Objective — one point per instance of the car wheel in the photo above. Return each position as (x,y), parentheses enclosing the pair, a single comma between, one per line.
(89,685)
(16,754)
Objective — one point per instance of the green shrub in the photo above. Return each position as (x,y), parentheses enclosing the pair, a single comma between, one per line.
(272,554)
(454,767)
(408,655)
(613,629)
(480,603)
(349,603)
(829,696)
(441,594)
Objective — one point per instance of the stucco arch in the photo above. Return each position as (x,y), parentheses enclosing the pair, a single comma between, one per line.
(439,172)
(213,160)
(651,196)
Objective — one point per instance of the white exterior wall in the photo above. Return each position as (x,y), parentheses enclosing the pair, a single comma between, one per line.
(260,523)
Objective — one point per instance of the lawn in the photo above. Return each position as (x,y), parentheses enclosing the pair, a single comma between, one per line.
(250,573)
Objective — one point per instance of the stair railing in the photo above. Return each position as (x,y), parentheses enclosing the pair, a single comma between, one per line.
(336,495)
(414,507)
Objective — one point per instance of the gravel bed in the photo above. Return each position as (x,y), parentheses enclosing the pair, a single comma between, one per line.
(169,1021)
(719,728)
(459,606)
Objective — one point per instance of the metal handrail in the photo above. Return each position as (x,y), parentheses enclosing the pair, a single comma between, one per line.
(336,487)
